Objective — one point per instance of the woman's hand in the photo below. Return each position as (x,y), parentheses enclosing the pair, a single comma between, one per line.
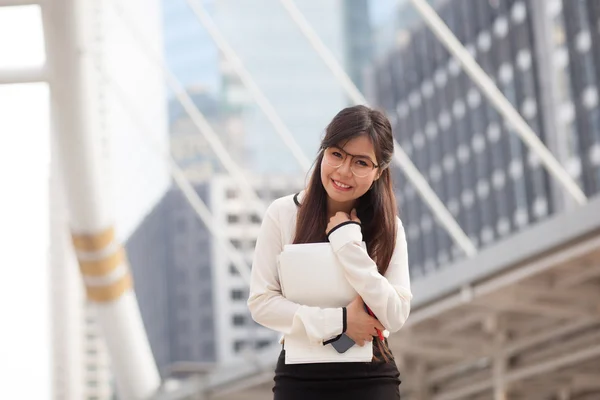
(341,217)
(360,326)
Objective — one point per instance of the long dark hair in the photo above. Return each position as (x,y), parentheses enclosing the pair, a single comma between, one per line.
(376,209)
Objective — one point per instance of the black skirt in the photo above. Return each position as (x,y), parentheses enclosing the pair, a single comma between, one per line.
(376,380)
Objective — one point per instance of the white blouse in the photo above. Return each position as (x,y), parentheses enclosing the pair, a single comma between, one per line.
(388,297)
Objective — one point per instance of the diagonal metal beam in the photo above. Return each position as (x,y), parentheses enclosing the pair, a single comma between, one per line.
(430,198)
(497,99)
(200,208)
(195,115)
(246,78)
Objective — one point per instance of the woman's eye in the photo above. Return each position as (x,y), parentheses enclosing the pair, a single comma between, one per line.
(337,154)
(362,163)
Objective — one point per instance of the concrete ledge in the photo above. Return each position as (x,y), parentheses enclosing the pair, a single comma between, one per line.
(534,241)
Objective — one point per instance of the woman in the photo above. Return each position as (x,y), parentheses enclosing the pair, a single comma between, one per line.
(349,199)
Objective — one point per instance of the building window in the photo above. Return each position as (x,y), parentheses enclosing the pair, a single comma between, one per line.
(233,219)
(255,219)
(503,226)
(238,294)
(467,198)
(239,320)
(262,343)
(231,194)
(524,59)
(237,244)
(540,207)
(238,345)
(521,217)
(233,270)
(518,12)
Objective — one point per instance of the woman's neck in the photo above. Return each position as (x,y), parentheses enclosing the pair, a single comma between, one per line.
(334,207)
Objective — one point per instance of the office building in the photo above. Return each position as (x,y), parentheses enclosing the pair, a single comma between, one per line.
(192,298)
(239,223)
(170,257)
(543,58)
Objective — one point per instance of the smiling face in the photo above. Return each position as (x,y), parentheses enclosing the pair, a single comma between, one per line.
(343,187)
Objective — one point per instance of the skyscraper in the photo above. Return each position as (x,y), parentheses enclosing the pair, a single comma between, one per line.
(540,54)
(239,223)
(192,299)
(170,254)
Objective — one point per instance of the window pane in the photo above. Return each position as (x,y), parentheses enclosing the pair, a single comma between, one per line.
(21,37)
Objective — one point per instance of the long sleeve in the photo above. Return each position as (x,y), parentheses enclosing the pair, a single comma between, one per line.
(388,296)
(266,303)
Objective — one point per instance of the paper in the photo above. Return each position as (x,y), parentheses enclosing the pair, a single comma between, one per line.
(311,275)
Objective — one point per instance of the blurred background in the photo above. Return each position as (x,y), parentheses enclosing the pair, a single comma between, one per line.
(141,141)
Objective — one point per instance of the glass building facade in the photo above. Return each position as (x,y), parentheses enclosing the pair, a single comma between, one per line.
(489,180)
(170,257)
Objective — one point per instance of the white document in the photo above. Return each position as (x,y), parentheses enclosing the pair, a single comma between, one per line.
(311,275)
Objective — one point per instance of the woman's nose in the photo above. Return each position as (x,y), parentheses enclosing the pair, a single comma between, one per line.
(346,167)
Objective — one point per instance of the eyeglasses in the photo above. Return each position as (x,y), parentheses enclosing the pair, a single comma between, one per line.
(360,166)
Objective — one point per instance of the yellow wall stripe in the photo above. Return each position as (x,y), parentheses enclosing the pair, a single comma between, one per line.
(103,266)
(94,242)
(110,292)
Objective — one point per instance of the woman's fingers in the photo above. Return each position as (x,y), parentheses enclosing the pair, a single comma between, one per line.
(376,324)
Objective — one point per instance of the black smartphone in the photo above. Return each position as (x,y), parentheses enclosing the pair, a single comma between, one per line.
(343,343)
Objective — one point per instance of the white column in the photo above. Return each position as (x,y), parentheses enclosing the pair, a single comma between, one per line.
(67,310)
(84,162)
